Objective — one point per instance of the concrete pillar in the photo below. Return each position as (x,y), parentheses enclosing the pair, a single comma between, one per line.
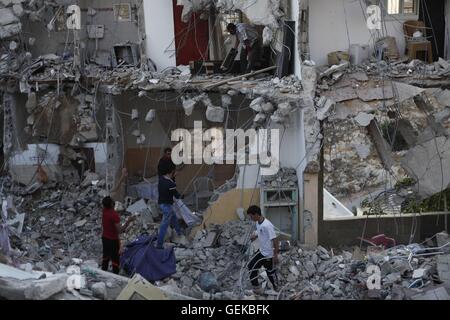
(311,209)
(114,143)
(9,132)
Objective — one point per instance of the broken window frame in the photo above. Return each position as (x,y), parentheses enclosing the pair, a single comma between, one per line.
(401,9)
(234,16)
(117,12)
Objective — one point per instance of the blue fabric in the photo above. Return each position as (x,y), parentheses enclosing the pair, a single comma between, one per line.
(169,218)
(141,256)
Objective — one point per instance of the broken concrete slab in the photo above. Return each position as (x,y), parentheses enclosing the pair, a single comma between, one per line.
(333,69)
(7,271)
(359,76)
(215,114)
(383,149)
(342,94)
(364,119)
(151,115)
(99,290)
(323,107)
(138,206)
(378,93)
(433,294)
(443,240)
(443,267)
(188,105)
(7,17)
(42,289)
(403,92)
(443,97)
(407,131)
(426,163)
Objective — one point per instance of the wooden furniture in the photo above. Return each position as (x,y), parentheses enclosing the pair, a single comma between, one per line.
(414,45)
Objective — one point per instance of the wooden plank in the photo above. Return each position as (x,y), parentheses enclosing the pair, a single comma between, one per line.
(213,85)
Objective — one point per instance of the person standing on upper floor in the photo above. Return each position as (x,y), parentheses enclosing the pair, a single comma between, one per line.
(248,36)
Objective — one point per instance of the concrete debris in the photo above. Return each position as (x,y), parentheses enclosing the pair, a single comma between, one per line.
(257,104)
(134,114)
(32,289)
(136,133)
(440,293)
(335,69)
(303,273)
(215,114)
(188,105)
(363,119)
(208,282)
(151,115)
(284,108)
(443,241)
(260,118)
(443,267)
(434,153)
(285,178)
(324,105)
(99,290)
(378,93)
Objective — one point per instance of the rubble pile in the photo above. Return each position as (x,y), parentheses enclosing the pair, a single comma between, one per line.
(213,267)
(62,232)
(62,222)
(10,14)
(285,178)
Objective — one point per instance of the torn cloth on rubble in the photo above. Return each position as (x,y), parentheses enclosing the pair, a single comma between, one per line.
(142,257)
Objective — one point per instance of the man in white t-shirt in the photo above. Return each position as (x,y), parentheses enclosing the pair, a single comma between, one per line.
(267,255)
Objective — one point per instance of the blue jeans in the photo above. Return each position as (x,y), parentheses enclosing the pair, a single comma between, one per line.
(169,218)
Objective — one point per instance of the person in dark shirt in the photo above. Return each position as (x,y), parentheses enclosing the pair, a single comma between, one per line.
(166,164)
(167,190)
(110,235)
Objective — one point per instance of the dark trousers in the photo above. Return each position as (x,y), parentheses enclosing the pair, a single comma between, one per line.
(111,253)
(249,60)
(257,262)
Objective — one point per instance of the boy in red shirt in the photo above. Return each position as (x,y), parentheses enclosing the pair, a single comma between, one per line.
(111,230)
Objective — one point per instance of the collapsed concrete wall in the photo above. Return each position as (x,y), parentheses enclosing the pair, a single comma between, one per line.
(365,114)
(104,24)
(10,14)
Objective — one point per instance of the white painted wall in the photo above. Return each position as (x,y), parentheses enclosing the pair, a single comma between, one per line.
(248,177)
(328,31)
(292,152)
(160,31)
(30,156)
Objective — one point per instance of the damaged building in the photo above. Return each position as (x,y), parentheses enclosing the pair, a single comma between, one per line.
(361,109)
